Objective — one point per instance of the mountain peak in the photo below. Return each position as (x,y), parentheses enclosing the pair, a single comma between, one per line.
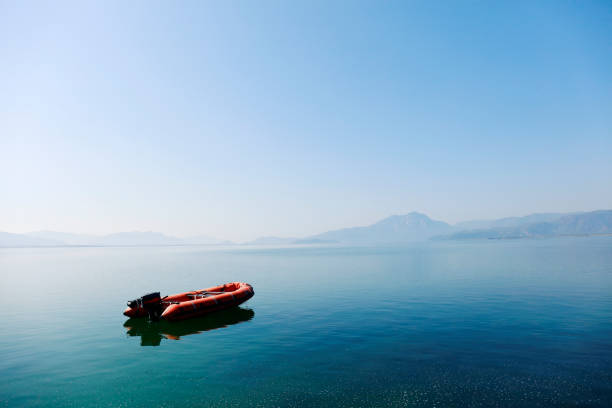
(412,218)
(413,226)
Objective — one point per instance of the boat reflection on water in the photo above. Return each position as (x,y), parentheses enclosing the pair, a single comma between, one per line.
(151,333)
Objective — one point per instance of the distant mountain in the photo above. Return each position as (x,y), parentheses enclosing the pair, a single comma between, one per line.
(288,241)
(395,229)
(595,222)
(490,233)
(205,240)
(508,222)
(136,238)
(65,238)
(20,240)
(313,241)
(271,241)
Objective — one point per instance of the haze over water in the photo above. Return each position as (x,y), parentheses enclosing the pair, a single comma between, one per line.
(521,323)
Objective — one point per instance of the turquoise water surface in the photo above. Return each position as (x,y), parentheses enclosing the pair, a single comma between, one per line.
(525,323)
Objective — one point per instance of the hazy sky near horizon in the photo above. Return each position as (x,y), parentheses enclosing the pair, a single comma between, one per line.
(241,119)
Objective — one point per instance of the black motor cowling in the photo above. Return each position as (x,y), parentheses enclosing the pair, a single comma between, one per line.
(150,302)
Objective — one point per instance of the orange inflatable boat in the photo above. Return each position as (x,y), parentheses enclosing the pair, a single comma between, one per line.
(190,304)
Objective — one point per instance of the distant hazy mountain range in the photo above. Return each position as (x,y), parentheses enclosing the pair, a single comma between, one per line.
(419,227)
(52,238)
(395,229)
(289,241)
(540,226)
(508,222)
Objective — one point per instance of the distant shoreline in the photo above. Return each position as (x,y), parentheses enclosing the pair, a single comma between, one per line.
(396,229)
(304,245)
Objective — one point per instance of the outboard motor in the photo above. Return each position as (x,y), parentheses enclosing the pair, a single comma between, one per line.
(150,304)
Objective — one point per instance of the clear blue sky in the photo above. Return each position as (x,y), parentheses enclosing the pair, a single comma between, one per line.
(248,118)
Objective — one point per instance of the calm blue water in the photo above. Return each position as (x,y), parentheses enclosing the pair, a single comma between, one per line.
(523,323)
